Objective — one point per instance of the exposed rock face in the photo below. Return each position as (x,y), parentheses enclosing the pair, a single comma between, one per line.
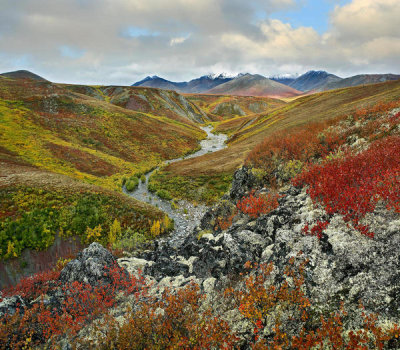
(91,266)
(10,305)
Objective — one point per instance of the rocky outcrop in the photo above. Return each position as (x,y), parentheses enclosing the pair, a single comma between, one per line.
(343,266)
(92,266)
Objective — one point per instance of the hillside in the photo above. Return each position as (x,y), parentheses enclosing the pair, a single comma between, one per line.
(88,138)
(299,254)
(66,151)
(254,85)
(361,79)
(23,74)
(223,107)
(156,102)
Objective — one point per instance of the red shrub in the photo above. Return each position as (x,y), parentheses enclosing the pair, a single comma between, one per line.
(255,206)
(33,286)
(80,305)
(354,185)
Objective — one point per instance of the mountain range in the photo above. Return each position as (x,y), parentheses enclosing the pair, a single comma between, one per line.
(248,84)
(258,85)
(202,84)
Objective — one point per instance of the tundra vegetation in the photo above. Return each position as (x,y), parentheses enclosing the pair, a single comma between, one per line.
(341,145)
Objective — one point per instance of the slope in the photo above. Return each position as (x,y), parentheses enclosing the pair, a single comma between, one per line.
(224,107)
(361,79)
(66,132)
(23,74)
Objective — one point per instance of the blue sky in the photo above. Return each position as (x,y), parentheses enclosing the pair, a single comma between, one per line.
(310,13)
(122,41)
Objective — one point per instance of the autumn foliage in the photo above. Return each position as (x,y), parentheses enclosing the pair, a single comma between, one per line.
(256,205)
(353,186)
(81,304)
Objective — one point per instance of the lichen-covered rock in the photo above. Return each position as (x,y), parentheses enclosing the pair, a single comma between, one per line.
(9,306)
(91,266)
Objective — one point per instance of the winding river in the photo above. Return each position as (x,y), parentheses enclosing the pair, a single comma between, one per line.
(186,216)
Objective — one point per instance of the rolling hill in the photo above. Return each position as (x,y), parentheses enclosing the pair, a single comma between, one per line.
(254,85)
(224,107)
(87,133)
(23,74)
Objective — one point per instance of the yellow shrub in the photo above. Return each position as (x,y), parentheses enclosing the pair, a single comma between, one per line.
(93,234)
(115,232)
(155,229)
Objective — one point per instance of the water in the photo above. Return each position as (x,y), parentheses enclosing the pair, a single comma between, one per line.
(187,216)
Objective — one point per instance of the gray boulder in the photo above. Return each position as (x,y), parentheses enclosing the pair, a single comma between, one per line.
(92,266)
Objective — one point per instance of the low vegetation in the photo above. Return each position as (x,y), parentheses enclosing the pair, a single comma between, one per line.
(32,217)
(203,188)
(95,141)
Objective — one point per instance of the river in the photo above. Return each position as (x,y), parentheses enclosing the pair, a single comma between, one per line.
(187,216)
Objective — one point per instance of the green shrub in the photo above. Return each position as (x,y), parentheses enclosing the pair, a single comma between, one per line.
(132,183)
(143,178)
(130,241)
(163,194)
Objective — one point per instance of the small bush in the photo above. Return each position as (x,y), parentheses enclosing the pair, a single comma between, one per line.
(132,183)
(163,194)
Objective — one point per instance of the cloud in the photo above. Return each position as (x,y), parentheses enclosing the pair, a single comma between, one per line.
(121,41)
(178,40)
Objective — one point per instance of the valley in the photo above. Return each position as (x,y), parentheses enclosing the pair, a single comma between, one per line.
(254,221)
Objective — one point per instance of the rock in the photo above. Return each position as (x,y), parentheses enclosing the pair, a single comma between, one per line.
(133,265)
(9,306)
(243,181)
(91,266)
(209,285)
(166,267)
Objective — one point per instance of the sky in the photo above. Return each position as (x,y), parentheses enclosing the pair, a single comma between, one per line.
(122,41)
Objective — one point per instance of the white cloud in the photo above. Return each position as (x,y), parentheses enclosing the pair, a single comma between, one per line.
(178,40)
(84,41)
